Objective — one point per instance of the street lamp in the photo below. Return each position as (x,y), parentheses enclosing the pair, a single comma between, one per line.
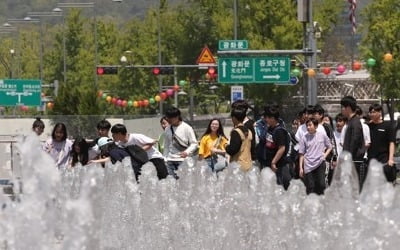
(84,5)
(30,20)
(7,29)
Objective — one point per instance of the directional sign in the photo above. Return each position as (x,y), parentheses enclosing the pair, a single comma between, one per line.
(233,45)
(265,69)
(20,92)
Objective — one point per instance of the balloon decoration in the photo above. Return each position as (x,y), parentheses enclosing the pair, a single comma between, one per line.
(388,57)
(326,70)
(371,62)
(119,102)
(340,69)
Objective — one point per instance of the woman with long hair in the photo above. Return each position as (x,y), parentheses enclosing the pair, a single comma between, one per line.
(58,145)
(79,152)
(213,143)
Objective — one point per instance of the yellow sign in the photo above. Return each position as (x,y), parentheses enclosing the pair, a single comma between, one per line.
(205,56)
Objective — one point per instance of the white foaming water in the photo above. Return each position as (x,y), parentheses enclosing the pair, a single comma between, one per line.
(94,208)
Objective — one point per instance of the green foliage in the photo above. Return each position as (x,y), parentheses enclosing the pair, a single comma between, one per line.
(182,29)
(382,35)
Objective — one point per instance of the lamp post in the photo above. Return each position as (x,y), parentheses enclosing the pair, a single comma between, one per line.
(30,20)
(83,5)
(7,29)
(56,12)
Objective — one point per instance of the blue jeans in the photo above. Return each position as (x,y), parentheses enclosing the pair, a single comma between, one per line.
(172,166)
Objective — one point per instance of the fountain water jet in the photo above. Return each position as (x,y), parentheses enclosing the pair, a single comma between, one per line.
(94,208)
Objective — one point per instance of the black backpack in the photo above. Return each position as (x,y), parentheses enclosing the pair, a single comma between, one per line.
(137,153)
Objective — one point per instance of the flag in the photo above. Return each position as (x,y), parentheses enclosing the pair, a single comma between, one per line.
(352,15)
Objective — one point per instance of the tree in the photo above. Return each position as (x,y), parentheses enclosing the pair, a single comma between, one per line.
(382,35)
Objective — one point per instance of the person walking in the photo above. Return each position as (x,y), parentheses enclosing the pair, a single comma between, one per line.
(277,146)
(314,148)
(383,139)
(354,138)
(180,141)
(212,144)
(240,145)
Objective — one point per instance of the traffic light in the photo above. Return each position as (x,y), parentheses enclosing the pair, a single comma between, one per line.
(211,73)
(163,70)
(107,70)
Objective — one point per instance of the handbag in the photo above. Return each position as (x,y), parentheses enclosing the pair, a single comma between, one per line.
(137,153)
(219,161)
(390,172)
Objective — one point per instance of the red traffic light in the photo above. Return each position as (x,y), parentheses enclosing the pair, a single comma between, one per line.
(156,71)
(167,70)
(100,70)
(107,70)
(211,70)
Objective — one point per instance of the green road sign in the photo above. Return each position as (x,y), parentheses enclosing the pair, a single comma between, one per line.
(233,45)
(264,69)
(20,92)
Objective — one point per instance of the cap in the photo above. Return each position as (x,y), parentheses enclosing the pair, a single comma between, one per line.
(103,141)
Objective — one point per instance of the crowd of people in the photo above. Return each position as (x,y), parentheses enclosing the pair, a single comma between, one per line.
(309,150)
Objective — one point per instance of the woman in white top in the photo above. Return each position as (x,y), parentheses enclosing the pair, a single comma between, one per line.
(59,146)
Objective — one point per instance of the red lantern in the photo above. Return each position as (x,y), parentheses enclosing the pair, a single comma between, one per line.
(176,87)
(100,93)
(114,100)
(163,95)
(356,65)
(326,70)
(145,103)
(124,103)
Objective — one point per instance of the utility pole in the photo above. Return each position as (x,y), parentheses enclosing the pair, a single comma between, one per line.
(305,15)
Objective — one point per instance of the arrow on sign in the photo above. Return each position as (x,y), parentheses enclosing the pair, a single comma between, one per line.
(272,77)
(224,69)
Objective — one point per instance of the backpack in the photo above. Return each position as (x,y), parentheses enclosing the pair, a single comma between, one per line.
(137,153)
(291,142)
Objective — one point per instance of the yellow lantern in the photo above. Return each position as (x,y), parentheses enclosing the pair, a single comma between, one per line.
(388,57)
(311,72)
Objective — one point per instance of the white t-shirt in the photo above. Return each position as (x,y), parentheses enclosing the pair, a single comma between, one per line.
(338,138)
(142,140)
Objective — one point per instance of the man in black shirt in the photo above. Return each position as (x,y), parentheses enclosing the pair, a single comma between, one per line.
(382,141)
(354,138)
(277,147)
